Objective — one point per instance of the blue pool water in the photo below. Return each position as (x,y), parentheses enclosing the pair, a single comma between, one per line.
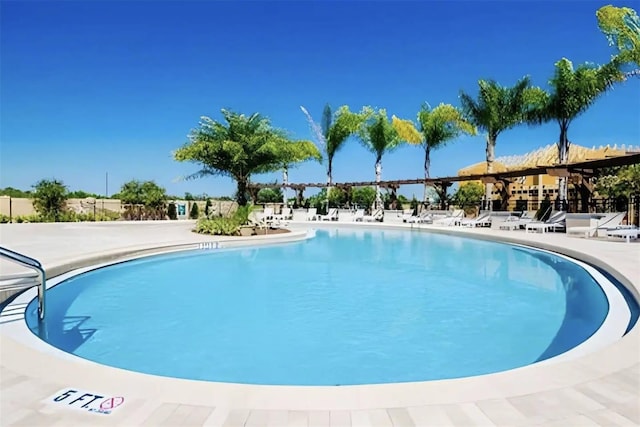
(347,307)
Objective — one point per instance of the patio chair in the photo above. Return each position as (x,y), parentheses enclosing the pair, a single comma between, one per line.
(375,216)
(453,219)
(482,220)
(285,215)
(312,214)
(627,232)
(332,215)
(555,222)
(424,217)
(406,214)
(511,222)
(526,218)
(267,214)
(358,215)
(604,223)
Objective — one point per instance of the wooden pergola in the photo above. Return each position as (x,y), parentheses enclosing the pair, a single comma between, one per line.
(578,172)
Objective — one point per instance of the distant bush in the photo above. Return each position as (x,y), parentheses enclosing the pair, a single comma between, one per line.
(270,195)
(218,226)
(171,211)
(4,219)
(50,199)
(195,211)
(69,216)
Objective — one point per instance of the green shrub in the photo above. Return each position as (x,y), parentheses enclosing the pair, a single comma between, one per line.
(218,226)
(4,219)
(241,215)
(207,207)
(270,195)
(171,211)
(195,211)
(28,218)
(107,215)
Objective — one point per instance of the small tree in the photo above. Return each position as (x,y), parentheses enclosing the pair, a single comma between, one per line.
(171,211)
(468,196)
(195,211)
(364,196)
(270,195)
(207,207)
(49,199)
(148,193)
(238,147)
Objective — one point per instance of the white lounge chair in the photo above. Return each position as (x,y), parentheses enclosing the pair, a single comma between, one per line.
(451,220)
(555,222)
(358,215)
(608,221)
(375,216)
(424,217)
(332,215)
(511,222)
(267,214)
(285,215)
(406,214)
(626,232)
(482,220)
(312,214)
(526,218)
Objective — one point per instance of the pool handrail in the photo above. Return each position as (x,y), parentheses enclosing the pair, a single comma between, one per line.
(33,264)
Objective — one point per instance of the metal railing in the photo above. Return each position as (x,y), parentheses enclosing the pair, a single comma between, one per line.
(33,264)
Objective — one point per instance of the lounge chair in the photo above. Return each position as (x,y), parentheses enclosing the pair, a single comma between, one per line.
(511,222)
(424,217)
(332,215)
(406,214)
(453,219)
(376,215)
(626,232)
(358,215)
(312,214)
(285,215)
(555,222)
(267,214)
(598,226)
(482,220)
(526,218)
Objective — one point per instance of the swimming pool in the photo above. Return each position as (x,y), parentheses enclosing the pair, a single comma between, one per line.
(348,307)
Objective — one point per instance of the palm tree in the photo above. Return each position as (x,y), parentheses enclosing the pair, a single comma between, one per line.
(498,109)
(573,91)
(621,26)
(238,147)
(437,126)
(292,153)
(333,132)
(379,136)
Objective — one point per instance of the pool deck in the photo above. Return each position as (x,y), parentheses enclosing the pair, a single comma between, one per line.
(598,389)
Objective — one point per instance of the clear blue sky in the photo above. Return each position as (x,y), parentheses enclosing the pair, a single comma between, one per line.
(89,87)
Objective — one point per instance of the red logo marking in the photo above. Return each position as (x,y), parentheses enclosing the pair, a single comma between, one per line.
(111,403)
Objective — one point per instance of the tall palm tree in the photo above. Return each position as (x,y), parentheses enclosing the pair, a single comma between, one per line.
(621,26)
(238,147)
(497,109)
(379,136)
(333,132)
(292,153)
(573,91)
(436,127)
